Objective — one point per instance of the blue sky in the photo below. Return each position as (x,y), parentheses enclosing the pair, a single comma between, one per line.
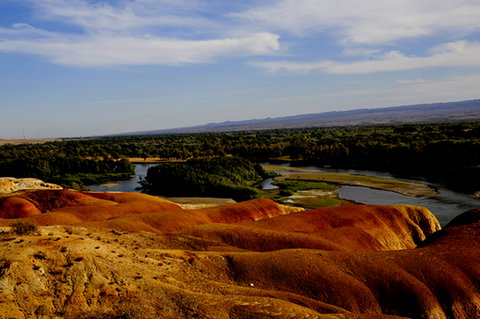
(82,67)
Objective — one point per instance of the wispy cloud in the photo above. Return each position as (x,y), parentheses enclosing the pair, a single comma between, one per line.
(22,30)
(455,54)
(131,33)
(115,50)
(464,86)
(125,16)
(455,88)
(179,32)
(410,82)
(360,52)
(368,21)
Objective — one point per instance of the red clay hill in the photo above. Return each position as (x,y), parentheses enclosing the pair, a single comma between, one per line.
(125,255)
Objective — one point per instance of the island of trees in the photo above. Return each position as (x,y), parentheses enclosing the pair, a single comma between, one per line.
(229,177)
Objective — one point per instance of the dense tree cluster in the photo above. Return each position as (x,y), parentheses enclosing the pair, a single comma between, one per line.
(63,163)
(448,151)
(229,177)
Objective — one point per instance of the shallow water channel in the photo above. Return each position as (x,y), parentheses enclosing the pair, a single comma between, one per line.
(128,185)
(445,206)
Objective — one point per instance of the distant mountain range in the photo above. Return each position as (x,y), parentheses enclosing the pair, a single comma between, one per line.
(421,113)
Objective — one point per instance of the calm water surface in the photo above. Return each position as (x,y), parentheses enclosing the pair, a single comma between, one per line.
(128,185)
(446,205)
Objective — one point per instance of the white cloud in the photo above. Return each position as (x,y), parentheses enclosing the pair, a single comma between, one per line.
(367,21)
(454,54)
(455,88)
(360,52)
(108,50)
(131,33)
(409,82)
(176,32)
(22,30)
(124,16)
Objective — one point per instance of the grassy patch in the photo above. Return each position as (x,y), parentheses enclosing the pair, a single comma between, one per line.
(70,180)
(344,179)
(288,194)
(287,169)
(21,227)
(312,202)
(319,201)
(299,185)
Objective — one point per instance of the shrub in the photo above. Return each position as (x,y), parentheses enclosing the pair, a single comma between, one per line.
(69,230)
(21,227)
(286,192)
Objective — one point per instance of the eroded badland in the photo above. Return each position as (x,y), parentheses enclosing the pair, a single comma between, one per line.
(125,255)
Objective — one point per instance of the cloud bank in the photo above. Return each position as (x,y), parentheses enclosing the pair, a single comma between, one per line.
(454,54)
(182,32)
(136,33)
(101,50)
(368,21)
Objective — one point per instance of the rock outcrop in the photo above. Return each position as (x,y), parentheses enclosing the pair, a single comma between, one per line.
(11,184)
(136,256)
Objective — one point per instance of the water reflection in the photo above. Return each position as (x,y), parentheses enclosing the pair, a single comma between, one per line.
(128,185)
(445,206)
(266,184)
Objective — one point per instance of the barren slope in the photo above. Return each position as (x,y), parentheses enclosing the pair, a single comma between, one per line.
(245,260)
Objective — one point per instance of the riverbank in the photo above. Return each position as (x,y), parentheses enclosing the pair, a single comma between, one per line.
(401,187)
(152,160)
(405,188)
(446,205)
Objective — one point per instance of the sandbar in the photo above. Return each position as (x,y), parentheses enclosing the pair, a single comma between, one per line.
(405,188)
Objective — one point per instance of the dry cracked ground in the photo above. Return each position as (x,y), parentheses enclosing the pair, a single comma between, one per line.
(125,255)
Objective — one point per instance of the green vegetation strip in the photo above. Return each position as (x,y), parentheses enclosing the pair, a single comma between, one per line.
(410,189)
(298,185)
(445,152)
(287,169)
(337,178)
(316,202)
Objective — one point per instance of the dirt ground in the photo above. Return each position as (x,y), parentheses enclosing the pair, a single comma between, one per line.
(28,141)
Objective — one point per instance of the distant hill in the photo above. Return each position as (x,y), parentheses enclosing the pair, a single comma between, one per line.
(436,112)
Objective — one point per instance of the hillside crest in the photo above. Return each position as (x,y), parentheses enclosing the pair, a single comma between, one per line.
(420,113)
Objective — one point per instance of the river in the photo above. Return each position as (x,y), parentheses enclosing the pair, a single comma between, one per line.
(445,206)
(128,185)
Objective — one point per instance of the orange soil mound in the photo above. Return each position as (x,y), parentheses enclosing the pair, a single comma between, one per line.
(244,260)
(16,207)
(440,279)
(173,220)
(348,228)
(64,207)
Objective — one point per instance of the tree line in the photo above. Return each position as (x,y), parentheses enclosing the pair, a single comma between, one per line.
(446,151)
(55,163)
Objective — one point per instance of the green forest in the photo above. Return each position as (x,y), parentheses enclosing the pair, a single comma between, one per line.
(63,163)
(229,177)
(442,151)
